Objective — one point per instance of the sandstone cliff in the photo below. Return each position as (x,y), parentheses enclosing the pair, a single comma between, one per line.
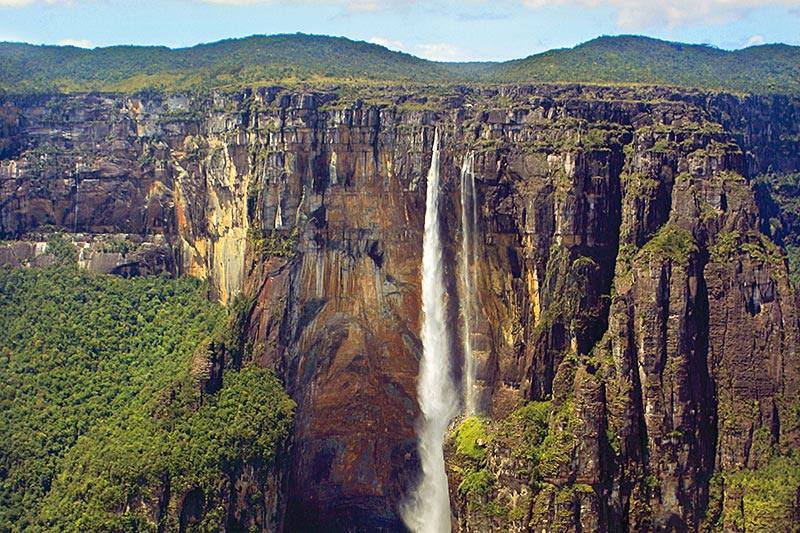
(622,281)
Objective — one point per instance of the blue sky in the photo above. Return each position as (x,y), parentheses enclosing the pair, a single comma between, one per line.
(438,29)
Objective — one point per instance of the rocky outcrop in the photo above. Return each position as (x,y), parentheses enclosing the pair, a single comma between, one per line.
(622,278)
(119,254)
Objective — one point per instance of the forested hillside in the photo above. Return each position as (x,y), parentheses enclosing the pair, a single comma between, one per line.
(632,59)
(100,402)
(299,58)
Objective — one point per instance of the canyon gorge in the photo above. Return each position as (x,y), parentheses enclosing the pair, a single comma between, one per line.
(602,323)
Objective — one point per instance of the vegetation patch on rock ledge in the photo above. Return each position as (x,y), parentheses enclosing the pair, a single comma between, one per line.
(768,497)
(670,242)
(486,453)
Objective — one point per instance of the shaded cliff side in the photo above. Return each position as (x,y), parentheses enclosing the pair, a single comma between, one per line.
(623,282)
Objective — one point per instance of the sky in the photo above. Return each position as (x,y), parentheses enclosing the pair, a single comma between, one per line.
(446,30)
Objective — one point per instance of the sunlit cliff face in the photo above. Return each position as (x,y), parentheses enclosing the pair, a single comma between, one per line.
(621,276)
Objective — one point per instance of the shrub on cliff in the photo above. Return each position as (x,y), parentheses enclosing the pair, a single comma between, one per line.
(471,440)
(62,249)
(778,199)
(673,243)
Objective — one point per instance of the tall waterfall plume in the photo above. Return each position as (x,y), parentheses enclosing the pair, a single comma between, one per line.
(469,221)
(428,509)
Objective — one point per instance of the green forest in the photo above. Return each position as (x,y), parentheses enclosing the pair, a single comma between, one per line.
(314,59)
(85,361)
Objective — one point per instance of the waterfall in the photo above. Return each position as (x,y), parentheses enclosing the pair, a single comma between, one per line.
(469,220)
(77,198)
(278,216)
(428,510)
(76,177)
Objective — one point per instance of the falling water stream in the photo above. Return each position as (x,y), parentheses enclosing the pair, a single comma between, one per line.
(469,220)
(428,509)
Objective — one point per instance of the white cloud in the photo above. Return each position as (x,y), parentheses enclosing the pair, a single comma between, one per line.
(349,5)
(80,43)
(10,37)
(22,3)
(439,52)
(235,2)
(373,5)
(630,14)
(388,43)
(639,14)
(755,40)
(434,51)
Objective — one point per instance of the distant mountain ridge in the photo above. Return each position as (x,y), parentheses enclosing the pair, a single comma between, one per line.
(772,68)
(300,58)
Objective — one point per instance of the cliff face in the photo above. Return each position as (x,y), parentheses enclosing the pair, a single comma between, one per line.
(622,282)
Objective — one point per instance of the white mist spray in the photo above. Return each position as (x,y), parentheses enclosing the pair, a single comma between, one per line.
(428,510)
(469,220)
